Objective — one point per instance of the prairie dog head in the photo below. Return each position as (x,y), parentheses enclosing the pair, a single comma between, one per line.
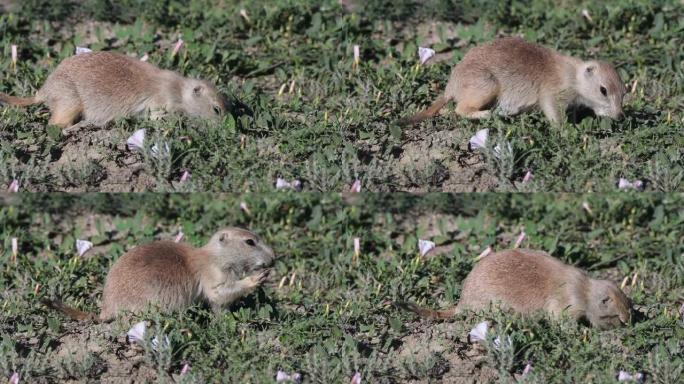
(239,250)
(601,88)
(202,99)
(608,307)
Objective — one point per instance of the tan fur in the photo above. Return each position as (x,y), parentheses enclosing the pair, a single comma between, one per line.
(173,276)
(527,281)
(516,75)
(102,86)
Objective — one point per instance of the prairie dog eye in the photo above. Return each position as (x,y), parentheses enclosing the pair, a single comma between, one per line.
(217,110)
(250,242)
(603,90)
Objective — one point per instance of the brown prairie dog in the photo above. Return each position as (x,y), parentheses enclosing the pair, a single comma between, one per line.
(174,276)
(515,75)
(102,86)
(526,281)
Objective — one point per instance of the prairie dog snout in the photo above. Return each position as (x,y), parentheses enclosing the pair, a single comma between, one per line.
(174,276)
(526,281)
(99,87)
(514,75)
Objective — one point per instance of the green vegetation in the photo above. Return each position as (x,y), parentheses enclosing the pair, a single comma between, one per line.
(332,315)
(309,113)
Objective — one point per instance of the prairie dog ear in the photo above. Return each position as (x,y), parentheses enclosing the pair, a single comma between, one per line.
(198,90)
(223,238)
(590,69)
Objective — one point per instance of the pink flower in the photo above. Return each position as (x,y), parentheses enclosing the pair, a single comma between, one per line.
(145,57)
(356,186)
(487,251)
(520,239)
(356,379)
(528,177)
(179,237)
(357,247)
(185,176)
(626,376)
(13,187)
(177,47)
(185,369)
(14,379)
(626,184)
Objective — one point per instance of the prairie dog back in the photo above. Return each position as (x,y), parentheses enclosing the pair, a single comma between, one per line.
(174,276)
(99,87)
(527,281)
(514,76)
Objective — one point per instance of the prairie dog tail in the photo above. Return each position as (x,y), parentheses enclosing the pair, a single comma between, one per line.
(18,101)
(424,312)
(426,114)
(73,313)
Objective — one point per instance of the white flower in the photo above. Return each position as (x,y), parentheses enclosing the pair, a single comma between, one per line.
(166,152)
(507,344)
(528,177)
(14,55)
(357,55)
(135,142)
(585,13)
(357,247)
(145,57)
(14,379)
(15,247)
(284,376)
(179,237)
(479,333)
(185,176)
(245,208)
(83,246)
(587,208)
(625,376)
(520,239)
(425,246)
(155,343)
(356,186)
(13,187)
(284,184)
(356,379)
(81,50)
(177,47)
(243,13)
(498,149)
(626,184)
(479,140)
(425,54)
(137,332)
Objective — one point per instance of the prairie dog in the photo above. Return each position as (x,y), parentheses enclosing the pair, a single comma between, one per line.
(102,86)
(516,75)
(526,281)
(174,276)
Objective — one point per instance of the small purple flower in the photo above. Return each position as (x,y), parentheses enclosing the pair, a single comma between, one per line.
(425,246)
(83,246)
(425,54)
